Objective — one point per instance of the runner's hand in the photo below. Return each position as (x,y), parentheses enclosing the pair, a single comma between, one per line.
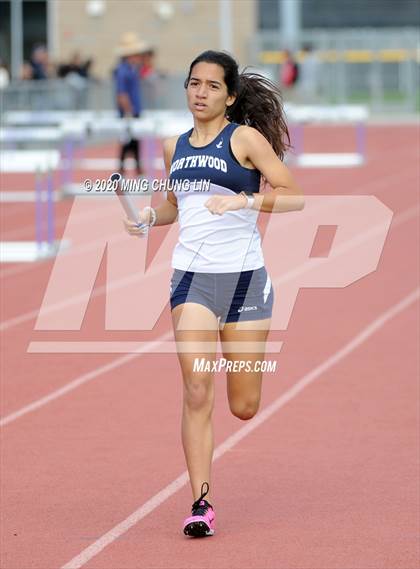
(218,205)
(133,228)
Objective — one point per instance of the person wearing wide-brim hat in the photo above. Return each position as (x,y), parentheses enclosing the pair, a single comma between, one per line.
(127,89)
(130,44)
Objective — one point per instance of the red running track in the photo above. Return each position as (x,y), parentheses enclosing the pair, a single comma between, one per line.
(329,479)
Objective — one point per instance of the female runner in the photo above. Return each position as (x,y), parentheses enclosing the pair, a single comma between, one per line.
(220,285)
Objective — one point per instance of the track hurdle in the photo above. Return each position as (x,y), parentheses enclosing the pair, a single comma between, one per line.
(42,163)
(299,116)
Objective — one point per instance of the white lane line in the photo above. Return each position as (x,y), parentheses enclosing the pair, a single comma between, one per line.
(84,378)
(156,500)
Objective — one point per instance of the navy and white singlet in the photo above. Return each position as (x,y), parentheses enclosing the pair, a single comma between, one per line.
(211,243)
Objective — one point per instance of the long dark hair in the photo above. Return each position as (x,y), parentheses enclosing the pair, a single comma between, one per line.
(258,101)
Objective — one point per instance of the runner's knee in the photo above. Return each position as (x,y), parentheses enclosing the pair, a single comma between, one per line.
(198,392)
(244,410)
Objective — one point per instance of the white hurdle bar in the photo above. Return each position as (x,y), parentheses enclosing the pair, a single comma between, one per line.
(299,116)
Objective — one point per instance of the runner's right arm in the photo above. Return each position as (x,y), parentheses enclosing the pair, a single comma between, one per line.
(167,211)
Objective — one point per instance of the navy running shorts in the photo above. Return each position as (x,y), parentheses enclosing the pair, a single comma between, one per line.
(232,297)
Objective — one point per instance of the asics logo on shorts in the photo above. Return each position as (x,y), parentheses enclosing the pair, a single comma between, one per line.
(247,308)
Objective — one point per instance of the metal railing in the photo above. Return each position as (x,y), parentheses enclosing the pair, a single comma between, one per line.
(382,83)
(60,94)
(379,67)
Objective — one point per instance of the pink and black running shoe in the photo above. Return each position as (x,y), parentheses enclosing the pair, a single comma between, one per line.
(201,521)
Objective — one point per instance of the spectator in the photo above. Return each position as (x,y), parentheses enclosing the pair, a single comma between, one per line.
(147,68)
(150,80)
(76,65)
(289,73)
(25,73)
(127,90)
(76,73)
(39,62)
(309,87)
(4,75)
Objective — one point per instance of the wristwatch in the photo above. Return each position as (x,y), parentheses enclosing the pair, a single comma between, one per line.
(250,200)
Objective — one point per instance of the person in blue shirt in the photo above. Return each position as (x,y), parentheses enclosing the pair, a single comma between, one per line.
(127,92)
